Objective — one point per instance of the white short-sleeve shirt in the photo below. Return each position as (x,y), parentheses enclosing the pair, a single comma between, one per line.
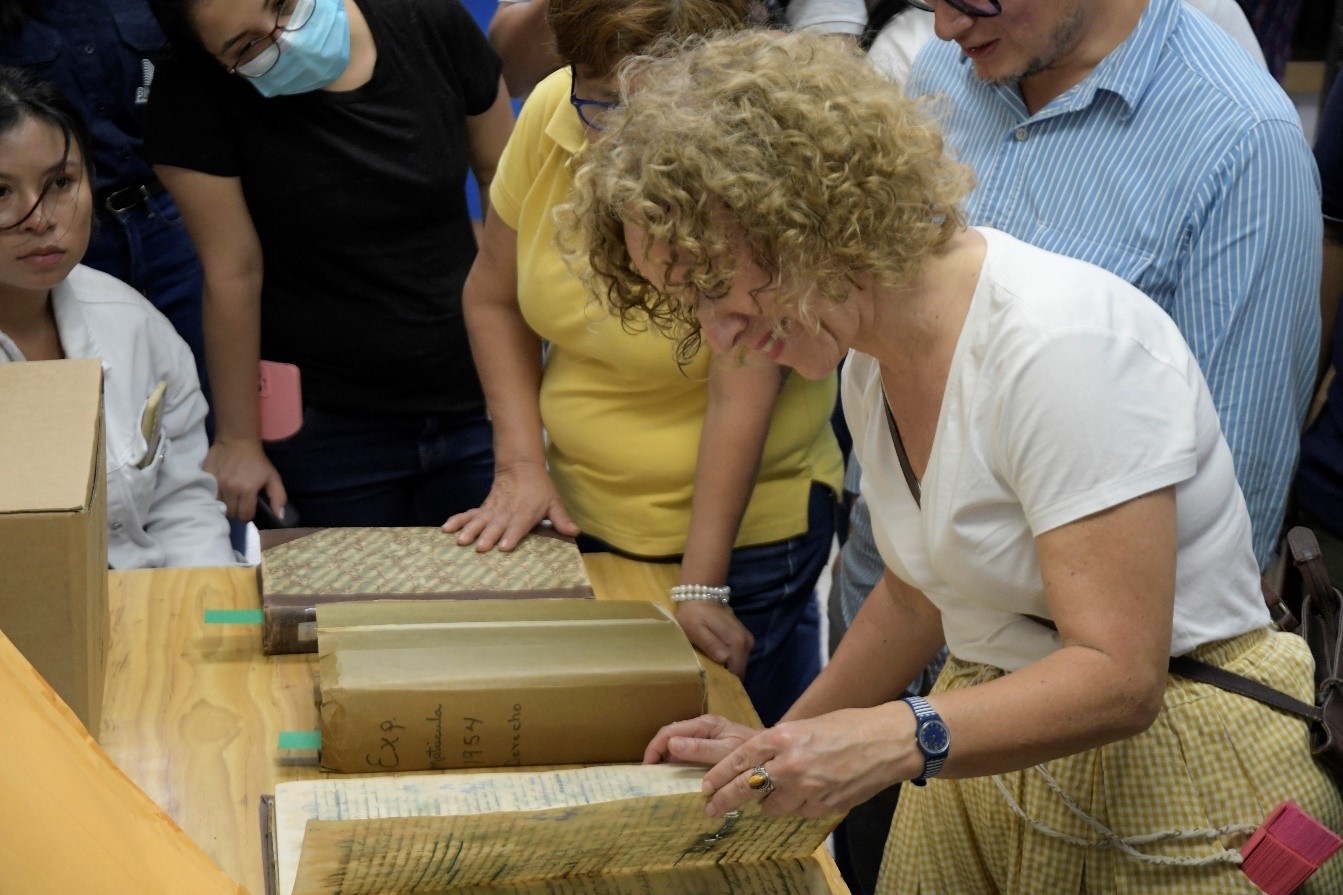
(896,46)
(828,16)
(1069,392)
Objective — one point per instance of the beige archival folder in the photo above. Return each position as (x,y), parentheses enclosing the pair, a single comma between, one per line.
(411,686)
(70,821)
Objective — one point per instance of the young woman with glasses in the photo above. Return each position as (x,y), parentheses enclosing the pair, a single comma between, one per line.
(318,150)
(731,468)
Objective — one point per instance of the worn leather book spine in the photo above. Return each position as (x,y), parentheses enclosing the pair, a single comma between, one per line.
(290,620)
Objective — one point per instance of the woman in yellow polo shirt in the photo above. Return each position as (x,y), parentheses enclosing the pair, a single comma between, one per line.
(645,451)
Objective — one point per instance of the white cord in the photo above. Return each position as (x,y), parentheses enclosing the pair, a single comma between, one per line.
(1111,839)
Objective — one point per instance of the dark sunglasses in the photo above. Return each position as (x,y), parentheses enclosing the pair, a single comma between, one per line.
(979,9)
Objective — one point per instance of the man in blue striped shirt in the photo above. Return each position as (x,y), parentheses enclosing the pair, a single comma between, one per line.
(1136,135)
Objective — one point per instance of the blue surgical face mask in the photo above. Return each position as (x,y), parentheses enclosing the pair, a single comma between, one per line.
(312,56)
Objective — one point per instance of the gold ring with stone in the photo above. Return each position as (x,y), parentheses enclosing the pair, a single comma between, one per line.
(760,780)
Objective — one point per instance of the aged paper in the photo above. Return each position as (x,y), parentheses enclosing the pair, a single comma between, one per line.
(783,877)
(427,834)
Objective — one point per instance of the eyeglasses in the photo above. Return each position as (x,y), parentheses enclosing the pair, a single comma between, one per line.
(259,55)
(590,119)
(979,9)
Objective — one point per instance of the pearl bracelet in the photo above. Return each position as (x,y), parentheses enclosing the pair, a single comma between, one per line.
(683,593)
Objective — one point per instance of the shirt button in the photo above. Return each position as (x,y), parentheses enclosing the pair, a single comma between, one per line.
(101,108)
(88,49)
(116,525)
(1022,134)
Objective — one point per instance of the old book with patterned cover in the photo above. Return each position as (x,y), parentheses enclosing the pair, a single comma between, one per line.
(324,565)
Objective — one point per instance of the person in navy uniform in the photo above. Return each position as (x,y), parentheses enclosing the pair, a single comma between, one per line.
(100,55)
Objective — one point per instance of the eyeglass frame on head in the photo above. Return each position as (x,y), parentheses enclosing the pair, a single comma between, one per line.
(962,7)
(268,41)
(578,102)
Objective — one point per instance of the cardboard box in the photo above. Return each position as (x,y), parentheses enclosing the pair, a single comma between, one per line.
(499,683)
(53,525)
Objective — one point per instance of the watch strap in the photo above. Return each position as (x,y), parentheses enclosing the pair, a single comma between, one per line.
(924,713)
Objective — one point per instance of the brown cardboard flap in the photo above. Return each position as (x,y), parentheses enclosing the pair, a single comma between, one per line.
(392,612)
(290,620)
(72,821)
(53,525)
(49,413)
(495,683)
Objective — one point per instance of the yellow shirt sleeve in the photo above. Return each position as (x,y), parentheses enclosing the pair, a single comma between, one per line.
(622,418)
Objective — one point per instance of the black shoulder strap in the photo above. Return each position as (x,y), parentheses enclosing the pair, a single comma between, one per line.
(899,443)
(1320,624)
(1195,670)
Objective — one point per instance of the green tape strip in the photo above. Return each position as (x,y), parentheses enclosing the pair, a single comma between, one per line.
(234,617)
(300,739)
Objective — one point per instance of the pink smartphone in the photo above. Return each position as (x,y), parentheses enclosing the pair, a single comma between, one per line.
(281,400)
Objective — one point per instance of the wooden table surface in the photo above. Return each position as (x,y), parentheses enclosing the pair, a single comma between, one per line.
(192,712)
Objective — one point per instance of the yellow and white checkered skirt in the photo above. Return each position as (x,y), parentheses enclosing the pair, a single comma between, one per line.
(1212,761)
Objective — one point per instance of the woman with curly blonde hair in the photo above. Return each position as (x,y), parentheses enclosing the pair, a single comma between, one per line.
(731,469)
(827,190)
(1049,487)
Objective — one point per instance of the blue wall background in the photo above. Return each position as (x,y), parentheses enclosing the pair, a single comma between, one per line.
(481,10)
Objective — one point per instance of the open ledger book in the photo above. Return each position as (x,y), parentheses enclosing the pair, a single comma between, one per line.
(607,830)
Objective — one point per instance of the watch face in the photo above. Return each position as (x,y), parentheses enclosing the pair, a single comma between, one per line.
(934,738)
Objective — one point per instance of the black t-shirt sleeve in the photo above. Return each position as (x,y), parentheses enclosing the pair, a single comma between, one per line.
(461,47)
(189,123)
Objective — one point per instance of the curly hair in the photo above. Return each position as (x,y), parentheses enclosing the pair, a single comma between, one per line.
(790,141)
(600,33)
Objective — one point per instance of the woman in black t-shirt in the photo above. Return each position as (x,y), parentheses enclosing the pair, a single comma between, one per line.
(318,150)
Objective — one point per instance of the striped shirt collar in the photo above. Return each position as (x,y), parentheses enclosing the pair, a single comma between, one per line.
(1126,71)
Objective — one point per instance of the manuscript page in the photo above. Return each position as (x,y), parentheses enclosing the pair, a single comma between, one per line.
(448,832)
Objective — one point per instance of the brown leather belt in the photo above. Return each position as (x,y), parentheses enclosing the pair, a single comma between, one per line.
(129,198)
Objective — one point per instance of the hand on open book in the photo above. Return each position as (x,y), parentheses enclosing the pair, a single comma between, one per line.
(522,496)
(705,740)
(819,766)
